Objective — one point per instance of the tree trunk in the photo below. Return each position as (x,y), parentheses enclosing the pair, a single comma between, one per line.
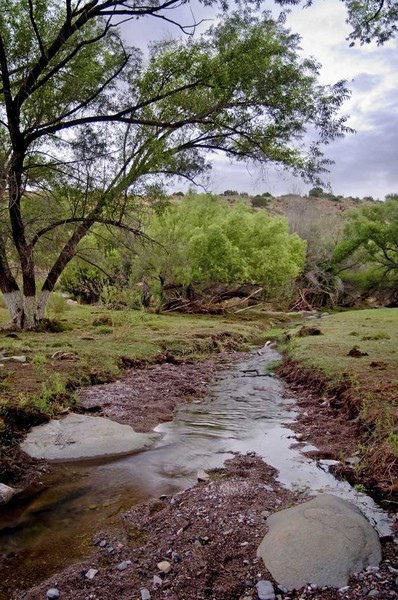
(26,311)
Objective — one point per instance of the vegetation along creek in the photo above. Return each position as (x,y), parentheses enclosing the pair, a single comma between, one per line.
(198,388)
(246,409)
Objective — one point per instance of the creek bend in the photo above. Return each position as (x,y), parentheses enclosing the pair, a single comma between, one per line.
(245,410)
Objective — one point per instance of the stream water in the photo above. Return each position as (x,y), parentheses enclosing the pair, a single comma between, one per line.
(245,410)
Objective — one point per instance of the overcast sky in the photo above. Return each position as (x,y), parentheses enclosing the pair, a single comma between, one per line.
(365,162)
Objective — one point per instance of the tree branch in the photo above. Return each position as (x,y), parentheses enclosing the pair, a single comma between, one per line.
(112,222)
(35,28)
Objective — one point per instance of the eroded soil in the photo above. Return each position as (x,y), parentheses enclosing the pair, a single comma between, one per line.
(329,418)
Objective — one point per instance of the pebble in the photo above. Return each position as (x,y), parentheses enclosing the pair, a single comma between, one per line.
(91,573)
(52,593)
(145,594)
(122,566)
(372,569)
(373,593)
(164,566)
(175,556)
(393,571)
(344,589)
(110,550)
(202,475)
(265,590)
(156,580)
(283,589)
(102,543)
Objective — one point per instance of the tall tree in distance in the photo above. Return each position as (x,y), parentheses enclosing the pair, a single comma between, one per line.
(87,125)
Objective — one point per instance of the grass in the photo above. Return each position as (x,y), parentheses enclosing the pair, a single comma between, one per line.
(373,331)
(373,375)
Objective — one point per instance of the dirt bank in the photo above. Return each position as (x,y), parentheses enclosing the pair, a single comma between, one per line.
(209,535)
(330,417)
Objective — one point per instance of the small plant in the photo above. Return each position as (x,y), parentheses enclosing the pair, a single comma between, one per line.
(102,320)
(104,329)
(38,362)
(273,365)
(360,488)
(381,335)
(57,305)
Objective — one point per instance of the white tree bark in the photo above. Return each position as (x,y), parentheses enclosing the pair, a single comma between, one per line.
(14,303)
(26,311)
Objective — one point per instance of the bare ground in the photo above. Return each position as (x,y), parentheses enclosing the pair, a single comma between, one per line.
(209,534)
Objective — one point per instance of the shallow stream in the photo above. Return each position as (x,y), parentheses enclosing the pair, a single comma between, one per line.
(245,410)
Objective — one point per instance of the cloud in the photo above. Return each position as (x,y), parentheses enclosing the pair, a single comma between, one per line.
(365,163)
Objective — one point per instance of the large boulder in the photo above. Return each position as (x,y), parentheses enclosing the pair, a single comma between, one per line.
(322,541)
(79,436)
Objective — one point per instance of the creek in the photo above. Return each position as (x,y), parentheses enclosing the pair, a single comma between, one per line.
(246,409)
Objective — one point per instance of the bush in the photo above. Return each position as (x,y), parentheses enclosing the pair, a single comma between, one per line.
(316,192)
(261,201)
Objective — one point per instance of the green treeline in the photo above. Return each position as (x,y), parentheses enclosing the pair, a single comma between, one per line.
(198,242)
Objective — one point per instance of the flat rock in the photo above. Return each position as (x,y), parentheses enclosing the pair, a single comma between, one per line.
(322,541)
(79,436)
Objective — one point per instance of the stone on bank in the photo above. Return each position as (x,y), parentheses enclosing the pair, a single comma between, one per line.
(79,436)
(322,541)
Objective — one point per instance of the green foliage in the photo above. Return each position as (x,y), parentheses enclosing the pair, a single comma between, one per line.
(371,235)
(316,192)
(371,20)
(261,200)
(86,119)
(205,241)
(57,305)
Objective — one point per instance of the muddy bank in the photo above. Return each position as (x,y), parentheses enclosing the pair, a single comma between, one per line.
(209,536)
(329,417)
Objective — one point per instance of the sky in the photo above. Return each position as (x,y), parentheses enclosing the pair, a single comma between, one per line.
(365,163)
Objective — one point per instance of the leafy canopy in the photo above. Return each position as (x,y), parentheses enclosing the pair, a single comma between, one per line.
(371,235)
(93,124)
(208,241)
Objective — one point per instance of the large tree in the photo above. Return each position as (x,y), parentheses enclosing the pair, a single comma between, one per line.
(87,123)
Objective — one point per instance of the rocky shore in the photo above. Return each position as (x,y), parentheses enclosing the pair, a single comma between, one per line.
(202,543)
